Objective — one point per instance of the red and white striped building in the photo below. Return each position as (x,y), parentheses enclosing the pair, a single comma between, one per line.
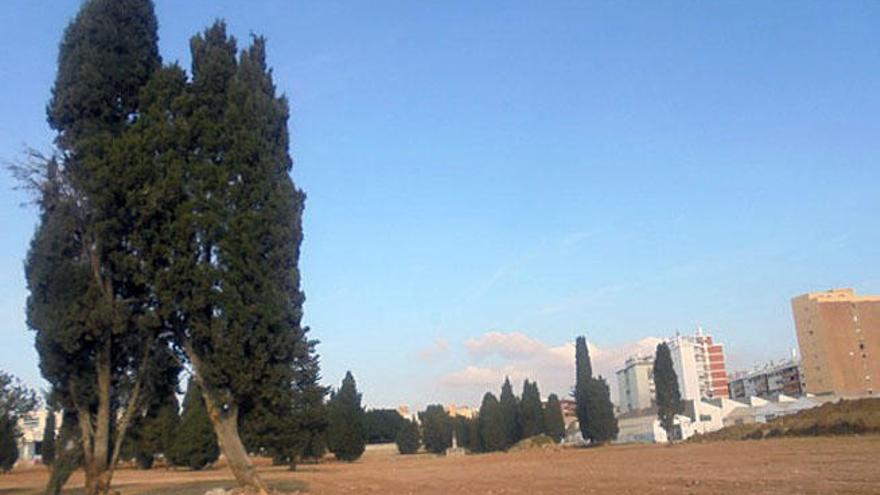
(699,364)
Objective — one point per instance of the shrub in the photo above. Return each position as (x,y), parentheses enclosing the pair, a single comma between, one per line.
(408,438)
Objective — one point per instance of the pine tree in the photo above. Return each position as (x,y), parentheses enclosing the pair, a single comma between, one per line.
(666,385)
(493,435)
(602,426)
(436,429)
(583,385)
(408,439)
(511,414)
(345,433)
(195,445)
(47,447)
(554,423)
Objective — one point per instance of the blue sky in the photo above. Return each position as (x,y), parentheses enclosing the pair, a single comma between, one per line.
(534,169)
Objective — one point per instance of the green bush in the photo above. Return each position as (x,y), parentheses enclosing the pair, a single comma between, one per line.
(408,438)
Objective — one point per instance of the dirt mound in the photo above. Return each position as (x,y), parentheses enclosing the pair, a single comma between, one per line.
(845,417)
(535,442)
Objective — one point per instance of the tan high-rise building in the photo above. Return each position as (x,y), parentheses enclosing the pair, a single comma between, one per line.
(839,338)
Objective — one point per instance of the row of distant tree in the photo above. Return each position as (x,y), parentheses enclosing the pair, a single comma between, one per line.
(500,424)
(342,426)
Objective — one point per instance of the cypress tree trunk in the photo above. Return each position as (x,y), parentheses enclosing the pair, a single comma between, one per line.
(67,456)
(65,464)
(226,426)
(224,418)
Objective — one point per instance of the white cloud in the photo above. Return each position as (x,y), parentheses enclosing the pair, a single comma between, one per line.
(511,345)
(520,356)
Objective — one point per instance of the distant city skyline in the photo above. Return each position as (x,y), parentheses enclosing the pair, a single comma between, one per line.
(487,181)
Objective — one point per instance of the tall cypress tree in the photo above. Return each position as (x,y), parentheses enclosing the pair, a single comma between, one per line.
(602,426)
(47,447)
(345,434)
(493,434)
(100,318)
(583,385)
(531,410)
(510,414)
(230,283)
(554,423)
(666,385)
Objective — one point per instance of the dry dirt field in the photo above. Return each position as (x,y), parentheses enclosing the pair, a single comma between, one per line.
(791,465)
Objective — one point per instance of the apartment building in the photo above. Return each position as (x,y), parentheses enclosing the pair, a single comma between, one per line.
(635,384)
(838,334)
(768,380)
(699,364)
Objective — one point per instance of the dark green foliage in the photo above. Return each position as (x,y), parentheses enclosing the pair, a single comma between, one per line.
(554,422)
(316,445)
(15,400)
(90,302)
(593,406)
(310,411)
(228,243)
(168,221)
(602,425)
(510,413)
(466,432)
(107,54)
(383,425)
(287,424)
(436,429)
(47,447)
(345,433)
(582,386)
(153,433)
(408,438)
(195,445)
(8,445)
(237,225)
(472,441)
(666,385)
(493,435)
(531,410)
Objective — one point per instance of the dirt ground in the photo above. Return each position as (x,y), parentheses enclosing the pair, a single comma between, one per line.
(791,465)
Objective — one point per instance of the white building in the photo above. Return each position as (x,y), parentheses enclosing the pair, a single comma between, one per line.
(699,365)
(635,384)
(708,415)
(642,426)
(31,426)
(776,377)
